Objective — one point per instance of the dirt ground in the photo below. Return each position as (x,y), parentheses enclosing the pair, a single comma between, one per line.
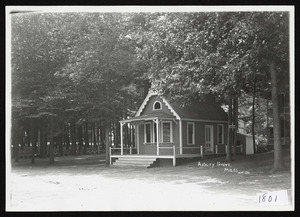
(85,183)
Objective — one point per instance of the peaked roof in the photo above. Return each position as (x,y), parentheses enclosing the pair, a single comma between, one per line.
(200,110)
(196,110)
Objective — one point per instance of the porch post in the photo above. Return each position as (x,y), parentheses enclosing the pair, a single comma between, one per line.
(157,143)
(137,139)
(121,136)
(180,136)
(109,155)
(131,134)
(201,150)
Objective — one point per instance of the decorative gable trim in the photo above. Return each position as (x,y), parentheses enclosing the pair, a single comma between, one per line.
(170,107)
(152,93)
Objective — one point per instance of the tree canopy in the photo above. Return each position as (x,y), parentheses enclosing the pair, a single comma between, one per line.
(224,53)
(73,61)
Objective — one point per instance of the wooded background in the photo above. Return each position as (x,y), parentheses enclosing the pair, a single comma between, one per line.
(76,75)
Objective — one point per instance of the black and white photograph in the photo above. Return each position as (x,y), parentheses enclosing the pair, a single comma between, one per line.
(150,108)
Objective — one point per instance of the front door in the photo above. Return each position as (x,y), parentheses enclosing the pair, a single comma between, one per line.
(209,138)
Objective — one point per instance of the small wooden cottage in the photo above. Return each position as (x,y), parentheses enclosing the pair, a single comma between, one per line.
(164,130)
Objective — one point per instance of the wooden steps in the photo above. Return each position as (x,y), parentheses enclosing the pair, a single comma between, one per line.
(129,161)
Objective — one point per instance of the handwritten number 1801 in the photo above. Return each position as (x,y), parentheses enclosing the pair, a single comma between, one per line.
(267,198)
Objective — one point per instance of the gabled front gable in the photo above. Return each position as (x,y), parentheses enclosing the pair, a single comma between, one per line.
(156,105)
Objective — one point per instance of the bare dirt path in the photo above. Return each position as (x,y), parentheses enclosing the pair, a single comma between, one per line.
(90,185)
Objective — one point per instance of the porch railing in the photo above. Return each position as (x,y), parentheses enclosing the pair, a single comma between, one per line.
(218,149)
(201,149)
(126,150)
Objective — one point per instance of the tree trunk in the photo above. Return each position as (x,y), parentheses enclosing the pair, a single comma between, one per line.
(278,161)
(267,127)
(253,119)
(28,131)
(236,123)
(91,135)
(86,135)
(33,132)
(107,143)
(98,138)
(63,141)
(228,156)
(118,141)
(94,135)
(80,140)
(22,138)
(114,133)
(73,138)
(51,148)
(15,138)
(43,142)
(67,138)
(102,136)
(60,145)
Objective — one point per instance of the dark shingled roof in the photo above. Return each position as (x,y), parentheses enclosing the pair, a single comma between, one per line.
(201,110)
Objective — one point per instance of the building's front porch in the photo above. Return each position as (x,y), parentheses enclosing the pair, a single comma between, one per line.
(160,136)
(147,160)
(167,152)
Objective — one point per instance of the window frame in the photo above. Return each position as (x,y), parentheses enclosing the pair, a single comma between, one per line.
(187,133)
(222,142)
(145,133)
(171,131)
(155,109)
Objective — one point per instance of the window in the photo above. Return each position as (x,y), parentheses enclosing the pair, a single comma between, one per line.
(147,133)
(167,131)
(157,105)
(190,133)
(220,134)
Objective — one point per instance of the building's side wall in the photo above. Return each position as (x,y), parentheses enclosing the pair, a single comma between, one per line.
(200,136)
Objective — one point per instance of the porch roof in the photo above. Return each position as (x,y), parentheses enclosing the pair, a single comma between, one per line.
(151,116)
